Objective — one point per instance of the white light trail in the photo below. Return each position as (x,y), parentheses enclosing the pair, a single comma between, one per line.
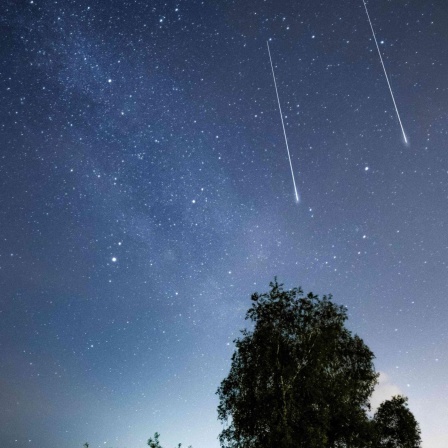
(283,124)
(385,73)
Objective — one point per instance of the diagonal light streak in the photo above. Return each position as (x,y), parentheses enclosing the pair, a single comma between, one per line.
(283,125)
(385,73)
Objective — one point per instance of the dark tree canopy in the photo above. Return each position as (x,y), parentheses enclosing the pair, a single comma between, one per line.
(299,378)
(395,425)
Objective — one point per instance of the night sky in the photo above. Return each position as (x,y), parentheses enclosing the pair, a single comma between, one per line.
(145,193)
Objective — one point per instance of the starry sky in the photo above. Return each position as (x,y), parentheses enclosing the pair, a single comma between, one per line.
(145,193)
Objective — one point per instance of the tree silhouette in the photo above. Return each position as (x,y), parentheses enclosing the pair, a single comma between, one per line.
(395,425)
(299,378)
(154,442)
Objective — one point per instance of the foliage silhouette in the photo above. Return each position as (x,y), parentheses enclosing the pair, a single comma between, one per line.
(154,442)
(299,378)
(395,425)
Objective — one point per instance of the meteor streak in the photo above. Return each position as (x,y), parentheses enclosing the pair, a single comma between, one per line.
(385,73)
(283,124)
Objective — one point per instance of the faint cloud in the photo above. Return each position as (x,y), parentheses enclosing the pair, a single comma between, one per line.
(384,390)
(436,441)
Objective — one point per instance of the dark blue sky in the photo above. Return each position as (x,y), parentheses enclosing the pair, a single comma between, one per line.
(145,193)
